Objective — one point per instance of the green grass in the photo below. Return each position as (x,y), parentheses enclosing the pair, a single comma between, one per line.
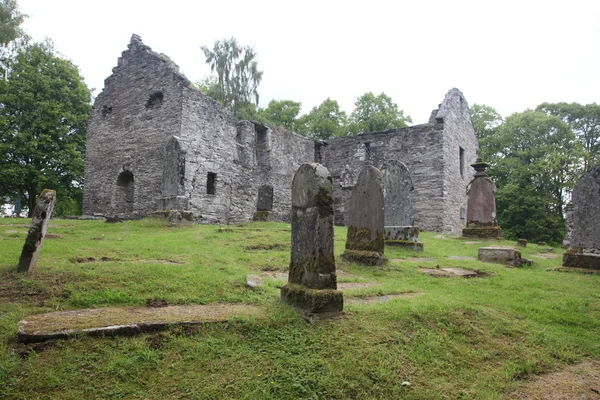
(459,338)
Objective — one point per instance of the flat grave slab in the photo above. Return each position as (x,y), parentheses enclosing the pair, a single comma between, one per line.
(125,321)
(452,272)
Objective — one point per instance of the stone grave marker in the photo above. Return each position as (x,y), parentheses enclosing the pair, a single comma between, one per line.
(312,282)
(400,229)
(37,230)
(584,242)
(481,205)
(365,240)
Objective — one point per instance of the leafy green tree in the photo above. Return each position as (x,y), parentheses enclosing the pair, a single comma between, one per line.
(376,113)
(324,121)
(44,107)
(237,72)
(10,30)
(584,121)
(486,122)
(535,160)
(281,112)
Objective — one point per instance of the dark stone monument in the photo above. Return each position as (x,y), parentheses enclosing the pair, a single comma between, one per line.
(312,282)
(400,229)
(584,247)
(481,206)
(365,240)
(37,230)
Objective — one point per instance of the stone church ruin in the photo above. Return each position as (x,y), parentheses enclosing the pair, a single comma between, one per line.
(156,143)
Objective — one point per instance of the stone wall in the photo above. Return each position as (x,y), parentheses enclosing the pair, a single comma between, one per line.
(155,143)
(130,124)
(460,151)
(585,235)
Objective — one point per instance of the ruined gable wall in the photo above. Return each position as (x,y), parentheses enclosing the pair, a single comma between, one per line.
(418,147)
(458,133)
(124,134)
(244,156)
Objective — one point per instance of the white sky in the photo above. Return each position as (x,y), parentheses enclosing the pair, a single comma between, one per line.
(510,55)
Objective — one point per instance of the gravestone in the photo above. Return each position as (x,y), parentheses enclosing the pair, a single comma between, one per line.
(481,205)
(365,239)
(399,215)
(37,230)
(312,282)
(584,246)
(264,204)
(500,255)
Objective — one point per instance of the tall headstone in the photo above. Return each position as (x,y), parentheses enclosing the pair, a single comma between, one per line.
(481,205)
(37,230)
(584,246)
(365,241)
(400,229)
(312,282)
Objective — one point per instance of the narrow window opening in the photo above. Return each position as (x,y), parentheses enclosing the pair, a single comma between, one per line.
(463,213)
(155,100)
(368,150)
(211,183)
(106,111)
(461,155)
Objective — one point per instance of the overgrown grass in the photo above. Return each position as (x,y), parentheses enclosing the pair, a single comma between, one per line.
(459,338)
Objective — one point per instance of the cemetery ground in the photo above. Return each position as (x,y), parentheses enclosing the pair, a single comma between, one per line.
(507,333)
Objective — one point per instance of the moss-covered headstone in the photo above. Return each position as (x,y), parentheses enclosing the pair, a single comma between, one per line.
(481,206)
(365,240)
(312,283)
(584,243)
(37,230)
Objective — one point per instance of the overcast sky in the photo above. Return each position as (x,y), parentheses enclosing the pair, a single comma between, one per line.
(511,55)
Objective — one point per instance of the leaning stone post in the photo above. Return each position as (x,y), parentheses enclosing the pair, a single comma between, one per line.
(481,206)
(37,230)
(312,283)
(365,240)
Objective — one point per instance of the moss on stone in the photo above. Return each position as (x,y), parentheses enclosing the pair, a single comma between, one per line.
(484,232)
(323,268)
(312,300)
(324,201)
(365,257)
(360,239)
(261,216)
(575,258)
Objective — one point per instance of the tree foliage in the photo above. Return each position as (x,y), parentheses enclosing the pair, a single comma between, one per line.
(10,30)
(237,72)
(325,121)
(44,107)
(535,160)
(376,113)
(283,113)
(584,121)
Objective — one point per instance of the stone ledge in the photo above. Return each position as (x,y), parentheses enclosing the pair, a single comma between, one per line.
(500,255)
(572,259)
(312,301)
(484,232)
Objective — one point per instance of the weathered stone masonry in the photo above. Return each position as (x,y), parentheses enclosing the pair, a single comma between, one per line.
(155,143)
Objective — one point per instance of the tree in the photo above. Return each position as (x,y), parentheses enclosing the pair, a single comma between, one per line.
(44,107)
(281,112)
(584,121)
(237,72)
(486,122)
(10,30)
(325,121)
(535,160)
(376,113)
